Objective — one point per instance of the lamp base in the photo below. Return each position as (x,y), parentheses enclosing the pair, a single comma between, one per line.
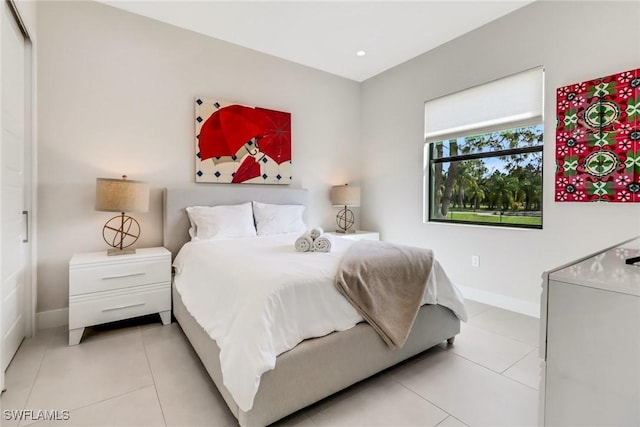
(127,251)
(120,232)
(344,220)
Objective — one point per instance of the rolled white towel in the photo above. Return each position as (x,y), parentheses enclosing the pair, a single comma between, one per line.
(316,232)
(304,243)
(322,243)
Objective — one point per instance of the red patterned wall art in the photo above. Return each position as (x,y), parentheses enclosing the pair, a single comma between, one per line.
(240,144)
(598,140)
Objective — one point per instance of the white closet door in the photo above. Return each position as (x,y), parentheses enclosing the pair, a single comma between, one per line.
(12,188)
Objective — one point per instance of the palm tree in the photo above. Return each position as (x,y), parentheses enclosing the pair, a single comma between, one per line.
(476,193)
(501,190)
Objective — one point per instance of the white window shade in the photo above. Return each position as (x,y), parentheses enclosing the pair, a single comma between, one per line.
(514,99)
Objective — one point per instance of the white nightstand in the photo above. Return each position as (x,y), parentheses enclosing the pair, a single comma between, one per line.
(108,288)
(358,235)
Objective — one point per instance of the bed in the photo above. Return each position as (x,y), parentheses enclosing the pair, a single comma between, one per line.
(316,367)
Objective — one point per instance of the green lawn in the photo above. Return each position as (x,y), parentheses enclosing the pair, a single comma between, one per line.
(504,219)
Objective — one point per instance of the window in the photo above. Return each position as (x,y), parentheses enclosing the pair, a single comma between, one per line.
(484,164)
(494,178)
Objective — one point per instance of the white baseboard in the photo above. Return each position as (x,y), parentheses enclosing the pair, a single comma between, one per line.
(52,318)
(502,301)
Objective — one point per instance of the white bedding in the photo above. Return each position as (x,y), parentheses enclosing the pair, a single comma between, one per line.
(258,297)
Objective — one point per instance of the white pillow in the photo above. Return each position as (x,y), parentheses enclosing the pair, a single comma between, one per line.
(192,226)
(278,219)
(220,222)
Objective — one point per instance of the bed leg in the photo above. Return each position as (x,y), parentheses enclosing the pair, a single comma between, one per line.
(450,340)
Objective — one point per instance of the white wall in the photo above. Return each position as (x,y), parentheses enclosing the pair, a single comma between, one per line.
(116,96)
(569,40)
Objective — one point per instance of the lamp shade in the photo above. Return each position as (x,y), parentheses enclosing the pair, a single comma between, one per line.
(121,195)
(345,195)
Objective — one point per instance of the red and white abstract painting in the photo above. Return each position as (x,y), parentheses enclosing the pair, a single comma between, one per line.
(237,144)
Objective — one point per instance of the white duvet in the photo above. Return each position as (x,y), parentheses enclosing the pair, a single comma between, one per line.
(258,297)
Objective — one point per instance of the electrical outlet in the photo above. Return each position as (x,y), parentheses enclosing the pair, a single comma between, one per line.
(475,261)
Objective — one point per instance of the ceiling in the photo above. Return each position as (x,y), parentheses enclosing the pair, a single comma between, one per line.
(327,34)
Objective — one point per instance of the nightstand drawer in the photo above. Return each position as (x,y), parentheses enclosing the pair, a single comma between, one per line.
(83,280)
(103,307)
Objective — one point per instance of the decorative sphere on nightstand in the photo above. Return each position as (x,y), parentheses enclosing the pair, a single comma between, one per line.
(121,231)
(345,219)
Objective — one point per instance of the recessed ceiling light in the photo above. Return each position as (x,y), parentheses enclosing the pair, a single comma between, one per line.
(361,53)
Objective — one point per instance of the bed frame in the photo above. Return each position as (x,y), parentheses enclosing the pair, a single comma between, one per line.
(315,368)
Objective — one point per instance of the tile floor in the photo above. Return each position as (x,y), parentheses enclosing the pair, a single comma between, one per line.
(146,374)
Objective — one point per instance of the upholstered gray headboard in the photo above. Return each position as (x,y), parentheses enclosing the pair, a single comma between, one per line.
(176,199)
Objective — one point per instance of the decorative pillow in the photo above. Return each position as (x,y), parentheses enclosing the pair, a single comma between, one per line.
(220,222)
(278,219)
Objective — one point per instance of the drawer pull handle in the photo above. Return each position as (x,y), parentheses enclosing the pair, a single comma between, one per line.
(119,276)
(26,228)
(122,306)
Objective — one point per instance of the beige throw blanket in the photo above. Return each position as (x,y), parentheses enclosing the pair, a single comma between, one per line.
(385,283)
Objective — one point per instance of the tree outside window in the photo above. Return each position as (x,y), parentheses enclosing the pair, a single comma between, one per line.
(494,178)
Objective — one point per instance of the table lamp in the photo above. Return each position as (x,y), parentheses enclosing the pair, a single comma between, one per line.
(121,195)
(345,196)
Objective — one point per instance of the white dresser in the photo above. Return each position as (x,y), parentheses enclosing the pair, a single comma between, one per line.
(108,288)
(590,341)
